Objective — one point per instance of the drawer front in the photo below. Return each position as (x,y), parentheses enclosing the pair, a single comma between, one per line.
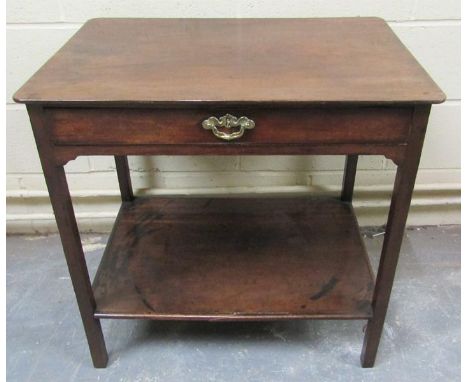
(108,126)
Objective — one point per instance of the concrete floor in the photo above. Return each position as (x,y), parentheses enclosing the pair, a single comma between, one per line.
(421,340)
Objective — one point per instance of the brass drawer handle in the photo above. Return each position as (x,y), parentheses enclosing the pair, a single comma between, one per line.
(228,121)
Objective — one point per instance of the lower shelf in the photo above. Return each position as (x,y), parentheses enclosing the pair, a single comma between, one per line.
(234,259)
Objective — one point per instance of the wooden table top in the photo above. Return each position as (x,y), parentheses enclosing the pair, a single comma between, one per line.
(178,61)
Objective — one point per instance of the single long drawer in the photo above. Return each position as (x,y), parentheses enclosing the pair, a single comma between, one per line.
(115,126)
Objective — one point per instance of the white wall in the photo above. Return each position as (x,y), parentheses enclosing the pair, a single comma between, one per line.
(429,28)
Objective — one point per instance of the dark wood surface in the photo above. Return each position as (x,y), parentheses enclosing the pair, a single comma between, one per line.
(135,61)
(395,229)
(63,154)
(141,126)
(123,175)
(349,178)
(234,259)
(64,215)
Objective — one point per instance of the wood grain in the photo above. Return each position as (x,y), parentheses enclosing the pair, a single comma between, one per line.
(394,232)
(110,126)
(68,229)
(234,259)
(140,61)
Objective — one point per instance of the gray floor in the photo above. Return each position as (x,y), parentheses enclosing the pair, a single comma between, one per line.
(421,340)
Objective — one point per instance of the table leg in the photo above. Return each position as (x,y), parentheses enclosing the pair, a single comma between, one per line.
(70,237)
(348,178)
(123,174)
(400,204)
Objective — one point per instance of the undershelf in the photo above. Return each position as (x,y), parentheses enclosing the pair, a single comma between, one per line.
(234,259)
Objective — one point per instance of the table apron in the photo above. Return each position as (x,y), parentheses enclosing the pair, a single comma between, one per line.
(293,126)
(63,154)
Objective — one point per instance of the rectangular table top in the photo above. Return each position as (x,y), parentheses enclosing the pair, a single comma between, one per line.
(179,61)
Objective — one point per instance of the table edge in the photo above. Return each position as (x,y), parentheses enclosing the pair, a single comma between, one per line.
(218,103)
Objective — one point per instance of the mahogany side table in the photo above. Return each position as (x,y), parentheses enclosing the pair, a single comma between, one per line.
(232,87)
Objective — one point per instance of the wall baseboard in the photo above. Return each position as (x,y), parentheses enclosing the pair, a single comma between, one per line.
(29,212)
